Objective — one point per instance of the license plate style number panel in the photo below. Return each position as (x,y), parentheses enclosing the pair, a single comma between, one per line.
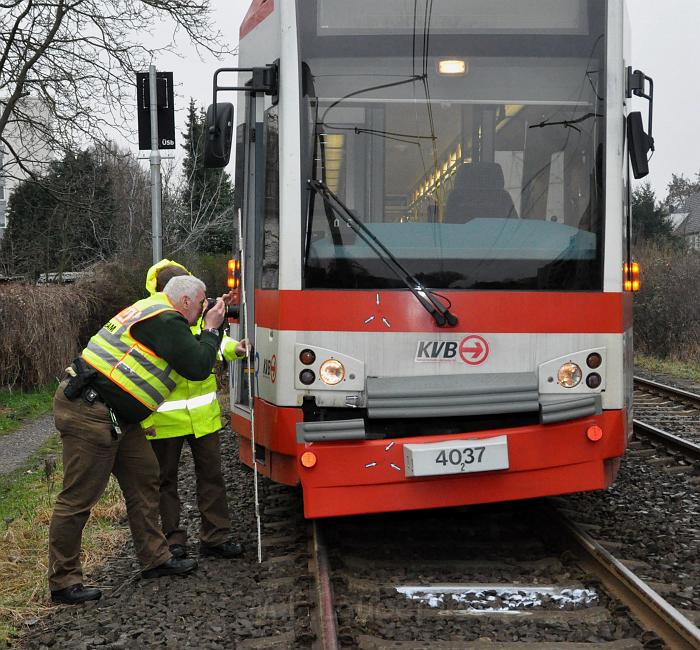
(456,456)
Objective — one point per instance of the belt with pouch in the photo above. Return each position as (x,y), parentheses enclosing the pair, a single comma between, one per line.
(80,384)
(90,396)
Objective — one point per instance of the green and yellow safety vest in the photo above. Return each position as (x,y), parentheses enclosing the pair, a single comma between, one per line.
(129,364)
(192,408)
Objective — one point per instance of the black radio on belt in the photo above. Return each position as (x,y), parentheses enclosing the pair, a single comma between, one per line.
(81,374)
(90,395)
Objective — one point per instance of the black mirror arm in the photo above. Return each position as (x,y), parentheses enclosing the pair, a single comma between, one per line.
(264,80)
(636,85)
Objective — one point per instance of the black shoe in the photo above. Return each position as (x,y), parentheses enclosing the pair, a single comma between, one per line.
(172,567)
(75,594)
(178,550)
(227,550)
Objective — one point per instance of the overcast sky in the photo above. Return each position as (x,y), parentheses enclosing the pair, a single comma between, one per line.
(665,45)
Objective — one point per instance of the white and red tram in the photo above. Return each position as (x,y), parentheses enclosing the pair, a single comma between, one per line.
(435,212)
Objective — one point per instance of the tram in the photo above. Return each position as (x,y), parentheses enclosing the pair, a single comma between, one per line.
(435,211)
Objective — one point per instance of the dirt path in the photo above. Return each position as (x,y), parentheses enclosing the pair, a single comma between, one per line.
(19,445)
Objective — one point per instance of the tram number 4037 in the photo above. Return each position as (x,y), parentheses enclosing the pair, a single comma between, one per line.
(460,457)
(456,456)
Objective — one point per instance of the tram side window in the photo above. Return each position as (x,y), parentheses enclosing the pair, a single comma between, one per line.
(271,225)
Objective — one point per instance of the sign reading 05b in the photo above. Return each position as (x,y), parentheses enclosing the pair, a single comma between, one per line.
(166,110)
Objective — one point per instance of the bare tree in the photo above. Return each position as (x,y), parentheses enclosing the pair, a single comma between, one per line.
(196,223)
(76,60)
(199,212)
(680,189)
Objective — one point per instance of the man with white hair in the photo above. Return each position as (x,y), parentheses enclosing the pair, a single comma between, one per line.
(124,373)
(192,415)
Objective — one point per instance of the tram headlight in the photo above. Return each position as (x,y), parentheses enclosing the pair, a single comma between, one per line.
(332,372)
(569,375)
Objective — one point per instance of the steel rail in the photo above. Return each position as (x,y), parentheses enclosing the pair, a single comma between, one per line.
(669,390)
(655,613)
(325,617)
(690,450)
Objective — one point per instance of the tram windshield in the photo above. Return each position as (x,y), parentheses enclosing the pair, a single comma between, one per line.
(467,135)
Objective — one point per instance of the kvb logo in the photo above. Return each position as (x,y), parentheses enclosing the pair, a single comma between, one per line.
(436,351)
(472,350)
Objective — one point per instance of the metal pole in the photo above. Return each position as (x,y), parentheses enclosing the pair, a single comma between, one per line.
(155,168)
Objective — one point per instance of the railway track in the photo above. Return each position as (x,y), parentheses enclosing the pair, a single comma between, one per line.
(667,426)
(492,577)
(668,414)
(406,589)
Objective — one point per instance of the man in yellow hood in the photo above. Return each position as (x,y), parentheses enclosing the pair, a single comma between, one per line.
(192,414)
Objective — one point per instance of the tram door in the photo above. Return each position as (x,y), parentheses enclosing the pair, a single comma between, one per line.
(246,203)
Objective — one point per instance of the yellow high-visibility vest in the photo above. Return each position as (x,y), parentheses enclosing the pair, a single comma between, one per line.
(129,364)
(192,408)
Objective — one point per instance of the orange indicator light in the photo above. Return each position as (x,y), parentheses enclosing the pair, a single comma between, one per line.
(234,274)
(594,433)
(631,277)
(308,459)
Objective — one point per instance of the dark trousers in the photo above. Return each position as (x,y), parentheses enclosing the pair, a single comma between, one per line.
(90,455)
(211,489)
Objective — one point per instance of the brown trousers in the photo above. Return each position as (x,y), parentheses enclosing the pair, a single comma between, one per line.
(90,455)
(215,525)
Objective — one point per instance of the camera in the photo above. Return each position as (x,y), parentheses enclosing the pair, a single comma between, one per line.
(232,311)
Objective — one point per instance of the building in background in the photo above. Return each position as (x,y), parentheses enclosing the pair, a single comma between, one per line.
(26,133)
(687,224)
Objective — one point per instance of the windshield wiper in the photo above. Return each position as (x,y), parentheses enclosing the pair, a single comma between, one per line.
(565,123)
(425,297)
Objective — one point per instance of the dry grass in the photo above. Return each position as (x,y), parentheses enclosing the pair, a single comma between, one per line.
(45,327)
(40,332)
(667,308)
(24,547)
(682,368)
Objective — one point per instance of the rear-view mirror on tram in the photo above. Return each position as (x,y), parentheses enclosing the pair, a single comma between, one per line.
(639,145)
(219,134)
(640,142)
